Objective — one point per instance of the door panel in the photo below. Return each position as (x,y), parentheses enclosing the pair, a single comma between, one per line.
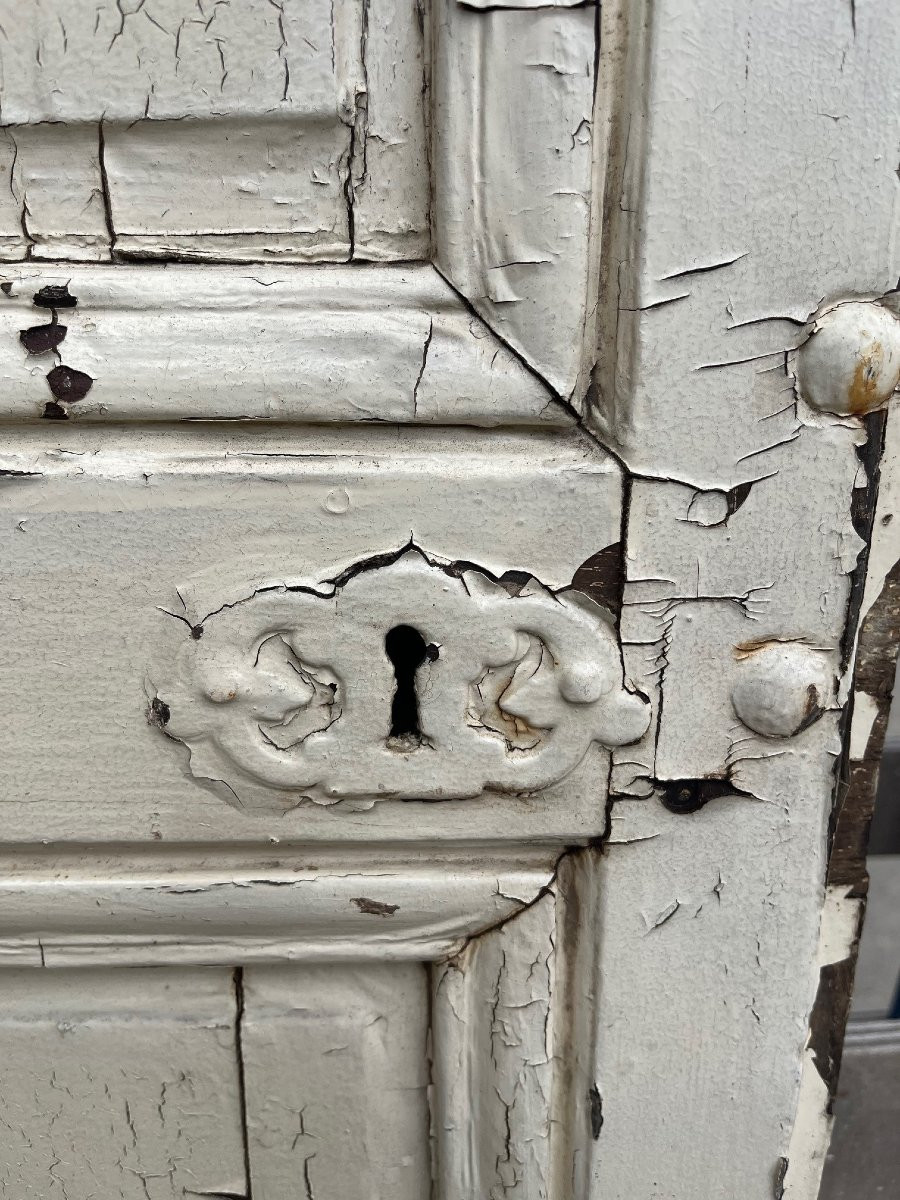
(442,448)
(305,122)
(160,545)
(120,1083)
(140,1083)
(336,1074)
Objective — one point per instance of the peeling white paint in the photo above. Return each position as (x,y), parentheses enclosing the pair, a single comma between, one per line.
(731,225)
(161,498)
(306,124)
(513,150)
(812,1124)
(707,933)
(327,1053)
(122,1083)
(496,1050)
(865,710)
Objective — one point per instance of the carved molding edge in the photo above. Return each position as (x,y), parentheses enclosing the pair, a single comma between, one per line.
(273,907)
(313,344)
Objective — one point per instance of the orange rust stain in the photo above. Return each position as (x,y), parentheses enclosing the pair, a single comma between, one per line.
(863,390)
(745,649)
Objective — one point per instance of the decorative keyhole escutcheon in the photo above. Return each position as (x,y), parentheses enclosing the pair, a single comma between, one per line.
(276,698)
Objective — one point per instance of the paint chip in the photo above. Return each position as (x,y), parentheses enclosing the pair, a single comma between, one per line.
(69,385)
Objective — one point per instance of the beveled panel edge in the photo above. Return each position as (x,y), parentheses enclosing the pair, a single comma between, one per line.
(515,1099)
(94,911)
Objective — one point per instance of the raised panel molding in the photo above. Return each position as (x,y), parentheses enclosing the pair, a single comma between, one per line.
(517,1110)
(366,131)
(324,344)
(495,1061)
(140,908)
(514,190)
(310,147)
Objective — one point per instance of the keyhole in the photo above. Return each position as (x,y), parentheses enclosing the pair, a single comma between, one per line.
(407,650)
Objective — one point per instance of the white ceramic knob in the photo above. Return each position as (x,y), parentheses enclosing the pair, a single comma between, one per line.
(850,363)
(781,687)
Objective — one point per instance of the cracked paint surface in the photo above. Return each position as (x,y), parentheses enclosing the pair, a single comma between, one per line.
(307,123)
(96,1100)
(295,518)
(261,343)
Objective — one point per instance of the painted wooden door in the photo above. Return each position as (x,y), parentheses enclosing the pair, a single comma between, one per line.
(447,518)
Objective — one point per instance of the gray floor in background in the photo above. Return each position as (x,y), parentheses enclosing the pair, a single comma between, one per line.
(864,1161)
(878,969)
